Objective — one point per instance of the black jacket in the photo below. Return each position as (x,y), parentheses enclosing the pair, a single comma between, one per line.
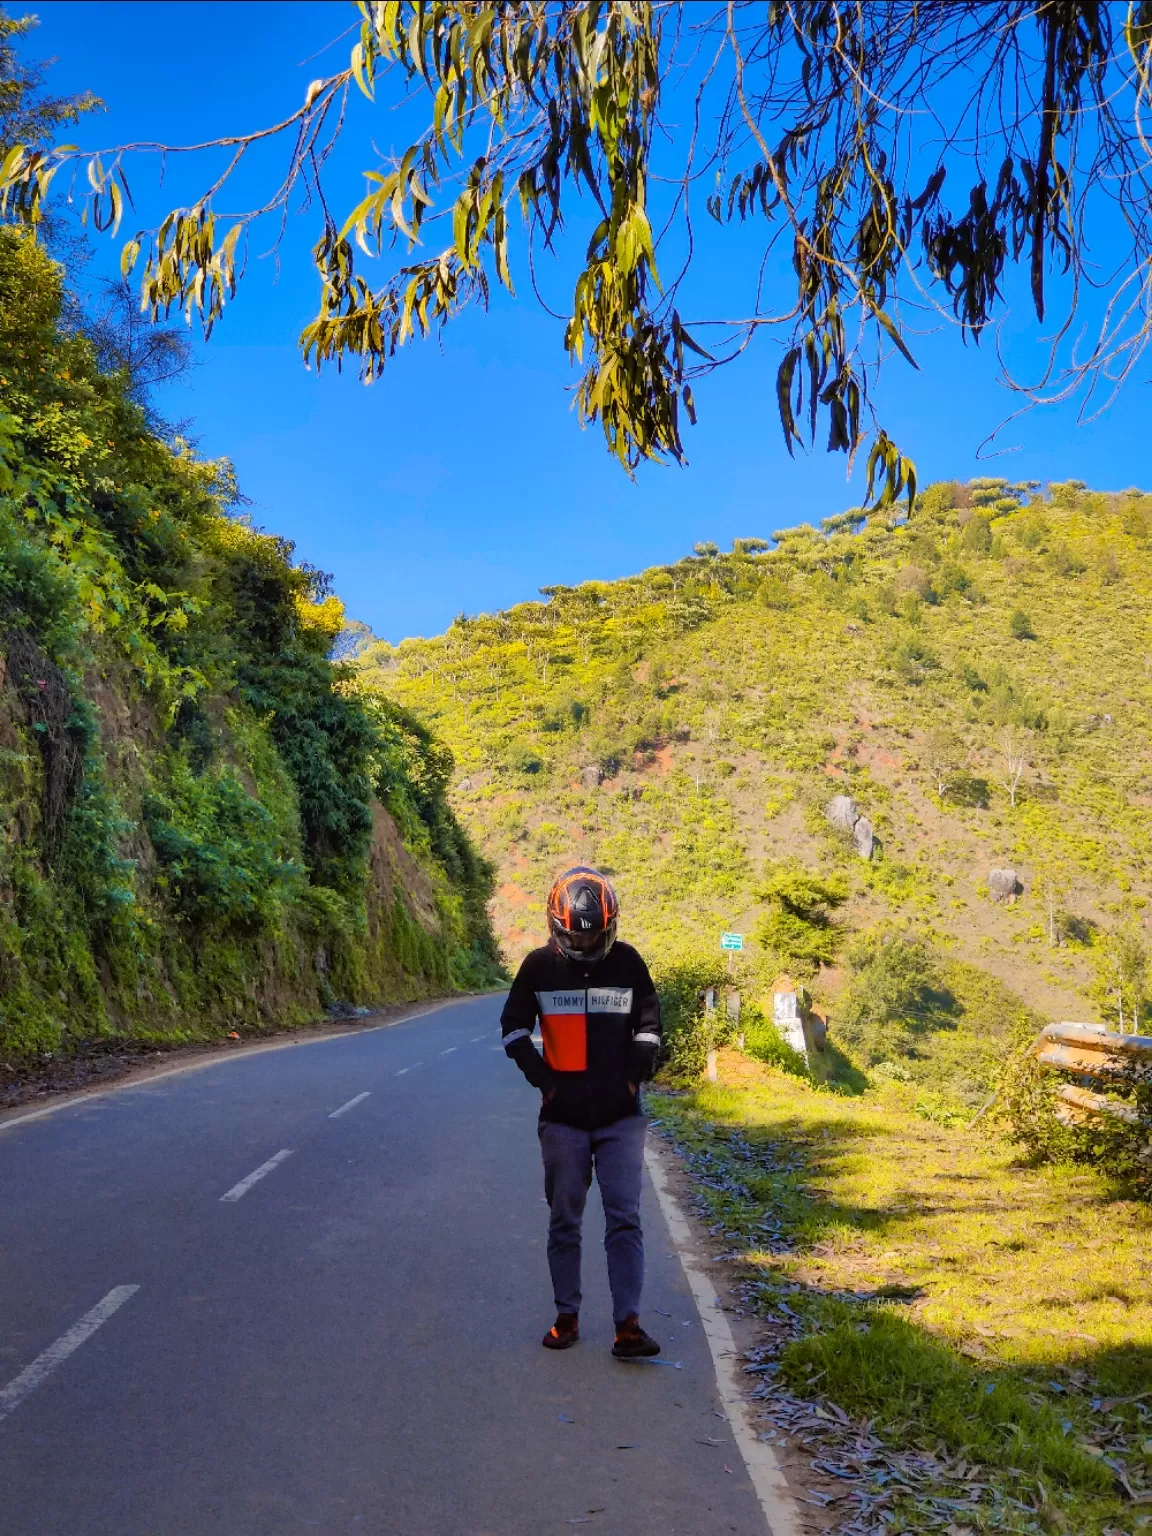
(601,1029)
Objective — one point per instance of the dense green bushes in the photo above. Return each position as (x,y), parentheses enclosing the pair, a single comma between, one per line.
(895,1000)
(797,929)
(222,855)
(186,778)
(1025,1106)
(690,1030)
(763,1042)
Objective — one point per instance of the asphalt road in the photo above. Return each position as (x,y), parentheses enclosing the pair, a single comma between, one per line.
(351,1342)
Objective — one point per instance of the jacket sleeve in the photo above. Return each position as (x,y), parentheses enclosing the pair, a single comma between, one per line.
(517,1021)
(646,1025)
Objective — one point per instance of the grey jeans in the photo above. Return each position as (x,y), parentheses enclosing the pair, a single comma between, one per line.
(617,1154)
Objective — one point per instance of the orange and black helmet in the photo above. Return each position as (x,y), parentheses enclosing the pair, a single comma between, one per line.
(582,913)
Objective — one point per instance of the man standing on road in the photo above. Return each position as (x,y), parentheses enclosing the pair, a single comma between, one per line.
(600,1020)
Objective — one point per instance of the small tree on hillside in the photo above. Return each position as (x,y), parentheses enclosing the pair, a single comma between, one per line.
(798,928)
(1020,626)
(1052,886)
(1016,744)
(943,757)
(1122,974)
(896,996)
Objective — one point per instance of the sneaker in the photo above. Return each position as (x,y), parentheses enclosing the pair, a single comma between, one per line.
(632,1343)
(563,1333)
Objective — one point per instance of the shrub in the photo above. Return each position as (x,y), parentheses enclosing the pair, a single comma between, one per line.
(524,760)
(913,661)
(894,998)
(1064,562)
(763,1042)
(775,592)
(798,929)
(224,859)
(690,1031)
(1026,1098)
(1020,626)
(977,535)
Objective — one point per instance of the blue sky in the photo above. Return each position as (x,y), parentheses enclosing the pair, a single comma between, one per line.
(461,480)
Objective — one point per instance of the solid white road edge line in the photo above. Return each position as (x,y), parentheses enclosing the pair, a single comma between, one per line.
(763,1467)
(238,1190)
(201,1066)
(351,1104)
(67,1344)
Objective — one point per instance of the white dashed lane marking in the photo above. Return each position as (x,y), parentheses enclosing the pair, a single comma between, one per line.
(351,1104)
(8,1122)
(449,1051)
(239,1190)
(67,1344)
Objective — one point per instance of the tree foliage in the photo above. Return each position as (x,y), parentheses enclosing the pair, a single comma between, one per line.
(798,927)
(1122,973)
(28,115)
(187,781)
(896,997)
(901,154)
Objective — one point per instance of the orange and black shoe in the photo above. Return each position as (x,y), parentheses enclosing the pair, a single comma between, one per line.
(632,1343)
(563,1333)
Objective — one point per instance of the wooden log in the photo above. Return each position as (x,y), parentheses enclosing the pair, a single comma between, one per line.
(1083,1104)
(1069,1058)
(1096,1038)
(1093,1051)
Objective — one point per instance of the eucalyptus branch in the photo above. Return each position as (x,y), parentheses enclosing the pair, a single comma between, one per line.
(912,152)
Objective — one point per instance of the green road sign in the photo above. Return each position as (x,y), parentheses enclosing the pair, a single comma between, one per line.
(731,941)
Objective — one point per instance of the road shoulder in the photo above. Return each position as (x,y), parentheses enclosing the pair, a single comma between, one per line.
(671,1183)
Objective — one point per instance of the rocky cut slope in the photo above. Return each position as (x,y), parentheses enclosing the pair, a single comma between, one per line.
(204,823)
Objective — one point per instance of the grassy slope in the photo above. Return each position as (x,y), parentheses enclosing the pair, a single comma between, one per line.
(729,696)
(994,1315)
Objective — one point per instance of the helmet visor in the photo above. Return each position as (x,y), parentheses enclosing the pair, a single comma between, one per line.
(586,947)
(583,943)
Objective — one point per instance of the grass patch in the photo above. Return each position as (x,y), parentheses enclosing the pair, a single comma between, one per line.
(888,1366)
(964,1303)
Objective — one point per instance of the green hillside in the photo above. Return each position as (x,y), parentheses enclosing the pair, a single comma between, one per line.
(205,825)
(976,678)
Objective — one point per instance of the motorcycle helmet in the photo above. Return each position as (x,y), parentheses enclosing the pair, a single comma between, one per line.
(582,913)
